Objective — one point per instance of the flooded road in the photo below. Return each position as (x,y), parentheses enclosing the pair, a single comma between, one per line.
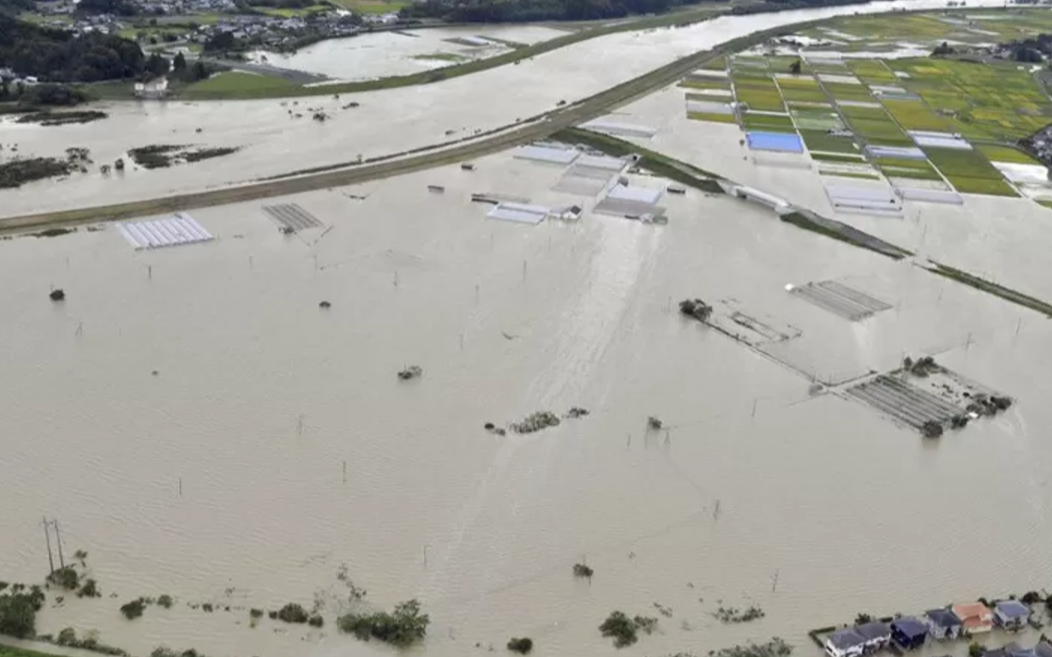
(275,445)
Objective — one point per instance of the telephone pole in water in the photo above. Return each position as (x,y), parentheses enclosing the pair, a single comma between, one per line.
(47,539)
(58,539)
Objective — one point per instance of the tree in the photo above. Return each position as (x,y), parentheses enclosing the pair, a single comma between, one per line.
(976,649)
(156,64)
(220,42)
(794,68)
(198,71)
(179,63)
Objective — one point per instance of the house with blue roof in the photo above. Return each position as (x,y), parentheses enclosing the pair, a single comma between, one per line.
(909,633)
(1011,614)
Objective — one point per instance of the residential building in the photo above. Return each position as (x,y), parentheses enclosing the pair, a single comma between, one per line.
(1011,614)
(975,617)
(876,634)
(909,633)
(943,624)
(845,643)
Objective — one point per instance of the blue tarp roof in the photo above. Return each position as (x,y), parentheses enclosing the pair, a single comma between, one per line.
(1013,609)
(775,141)
(911,627)
(942,618)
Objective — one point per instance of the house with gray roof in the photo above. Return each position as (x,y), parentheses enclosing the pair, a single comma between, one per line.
(845,643)
(943,624)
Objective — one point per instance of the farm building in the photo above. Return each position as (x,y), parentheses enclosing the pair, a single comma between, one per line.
(876,634)
(845,643)
(943,624)
(909,633)
(975,617)
(1011,614)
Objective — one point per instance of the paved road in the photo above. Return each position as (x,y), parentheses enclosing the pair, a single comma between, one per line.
(554,121)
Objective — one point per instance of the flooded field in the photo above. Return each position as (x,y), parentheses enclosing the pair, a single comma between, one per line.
(392,121)
(204,430)
(384,54)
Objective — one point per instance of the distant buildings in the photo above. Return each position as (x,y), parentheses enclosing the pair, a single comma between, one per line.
(153,90)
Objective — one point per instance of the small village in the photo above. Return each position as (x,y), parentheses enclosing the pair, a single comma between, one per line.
(1001,621)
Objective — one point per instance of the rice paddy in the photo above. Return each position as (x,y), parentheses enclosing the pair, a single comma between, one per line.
(963,114)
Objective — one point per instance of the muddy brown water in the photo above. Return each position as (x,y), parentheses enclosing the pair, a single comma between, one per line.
(261,397)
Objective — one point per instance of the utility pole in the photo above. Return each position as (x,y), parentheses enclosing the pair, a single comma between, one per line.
(47,539)
(774,582)
(58,539)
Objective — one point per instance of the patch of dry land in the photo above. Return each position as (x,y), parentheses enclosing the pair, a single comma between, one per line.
(203,429)
(273,141)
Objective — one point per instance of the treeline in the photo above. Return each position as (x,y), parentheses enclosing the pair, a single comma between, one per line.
(494,11)
(57,55)
(784,5)
(1032,51)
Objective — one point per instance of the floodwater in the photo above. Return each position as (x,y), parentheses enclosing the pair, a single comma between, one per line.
(384,54)
(275,446)
(390,121)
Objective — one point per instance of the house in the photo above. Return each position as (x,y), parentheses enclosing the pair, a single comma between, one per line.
(909,633)
(975,617)
(876,634)
(154,90)
(1011,614)
(845,643)
(943,624)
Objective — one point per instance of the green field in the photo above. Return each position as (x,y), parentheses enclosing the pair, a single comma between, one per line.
(776,123)
(837,157)
(717,64)
(710,97)
(371,6)
(997,153)
(801,94)
(282,12)
(715,118)
(7,651)
(986,102)
(872,71)
(234,85)
(915,115)
(969,171)
(758,94)
(844,91)
(903,168)
(820,140)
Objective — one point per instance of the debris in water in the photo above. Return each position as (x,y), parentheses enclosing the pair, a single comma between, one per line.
(653,423)
(119,164)
(576,412)
(57,295)
(931,429)
(695,308)
(536,422)
(410,372)
(155,373)
(325,304)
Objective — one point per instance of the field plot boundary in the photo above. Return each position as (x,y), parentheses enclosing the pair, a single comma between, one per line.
(839,299)
(902,401)
(291,216)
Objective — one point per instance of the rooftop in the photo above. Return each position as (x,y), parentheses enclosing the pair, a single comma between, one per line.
(942,618)
(1013,609)
(846,638)
(910,626)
